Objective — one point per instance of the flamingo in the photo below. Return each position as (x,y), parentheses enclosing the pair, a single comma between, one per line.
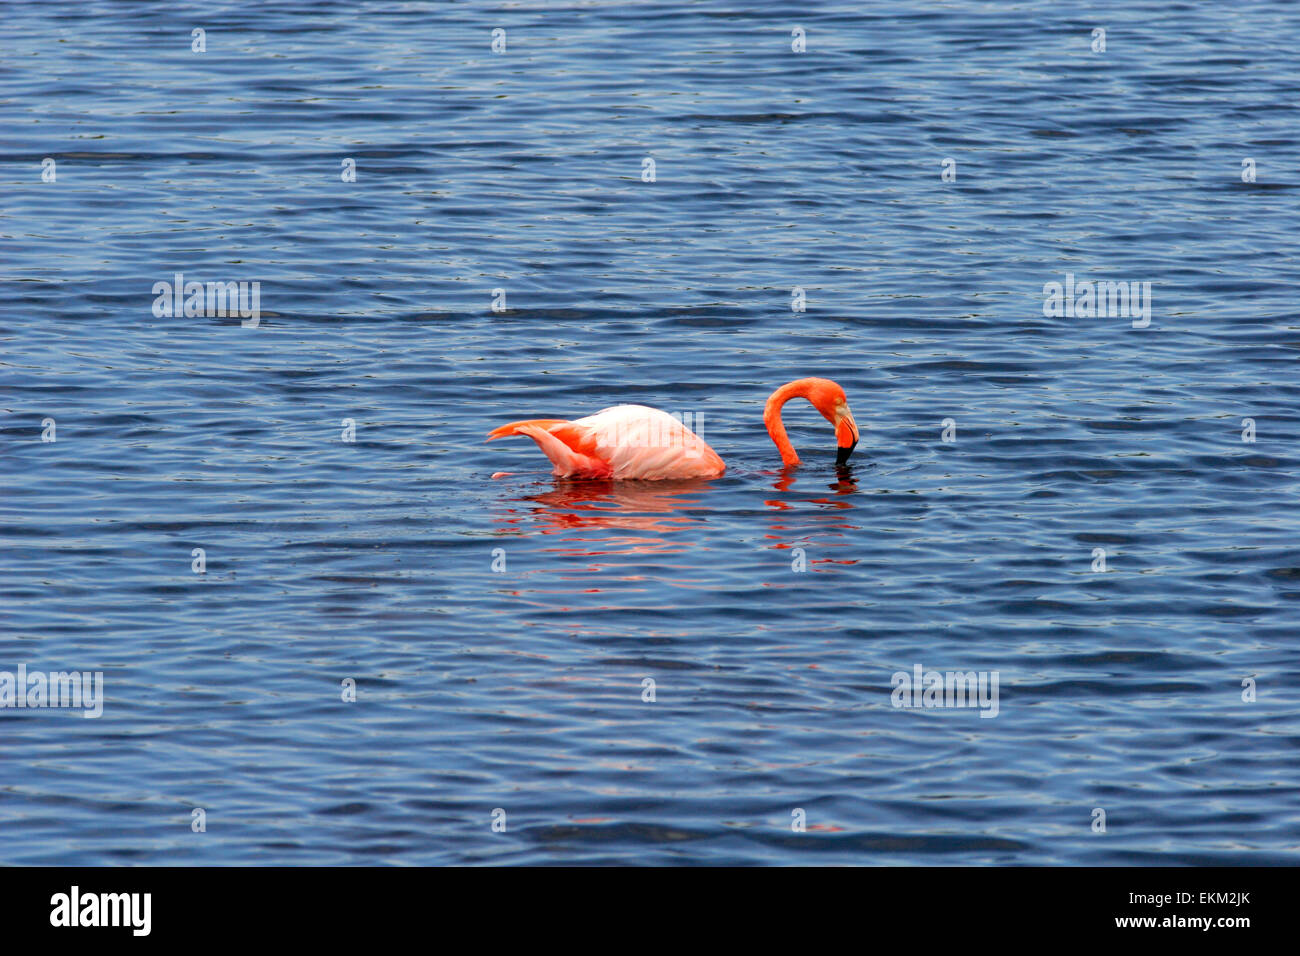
(638,442)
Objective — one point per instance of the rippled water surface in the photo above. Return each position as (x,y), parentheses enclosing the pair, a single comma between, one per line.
(520,688)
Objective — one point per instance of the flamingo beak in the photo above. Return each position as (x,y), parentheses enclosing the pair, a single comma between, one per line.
(846,436)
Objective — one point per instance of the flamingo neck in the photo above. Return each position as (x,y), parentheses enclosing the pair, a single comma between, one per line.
(775,427)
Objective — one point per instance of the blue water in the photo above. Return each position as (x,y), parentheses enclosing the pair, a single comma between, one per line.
(520,689)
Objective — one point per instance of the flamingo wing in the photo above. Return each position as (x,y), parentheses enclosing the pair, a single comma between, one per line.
(563,443)
(626,441)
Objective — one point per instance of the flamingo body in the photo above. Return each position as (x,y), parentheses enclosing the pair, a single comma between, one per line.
(625,441)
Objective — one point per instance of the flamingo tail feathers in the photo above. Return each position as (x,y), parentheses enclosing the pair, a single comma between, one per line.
(569,460)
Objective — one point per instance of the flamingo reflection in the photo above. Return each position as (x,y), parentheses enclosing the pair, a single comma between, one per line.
(843,485)
(648,512)
(803,530)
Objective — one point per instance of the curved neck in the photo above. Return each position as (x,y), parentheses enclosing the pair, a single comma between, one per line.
(775,427)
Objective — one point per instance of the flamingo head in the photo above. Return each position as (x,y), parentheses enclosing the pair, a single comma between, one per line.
(829,399)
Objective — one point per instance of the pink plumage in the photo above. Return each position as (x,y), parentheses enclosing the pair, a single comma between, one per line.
(626,441)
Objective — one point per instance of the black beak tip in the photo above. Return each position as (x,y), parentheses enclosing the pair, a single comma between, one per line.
(842,456)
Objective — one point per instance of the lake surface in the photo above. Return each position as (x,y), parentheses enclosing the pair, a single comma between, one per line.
(500,631)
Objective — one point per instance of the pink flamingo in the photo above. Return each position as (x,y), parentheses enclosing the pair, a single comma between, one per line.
(634,441)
